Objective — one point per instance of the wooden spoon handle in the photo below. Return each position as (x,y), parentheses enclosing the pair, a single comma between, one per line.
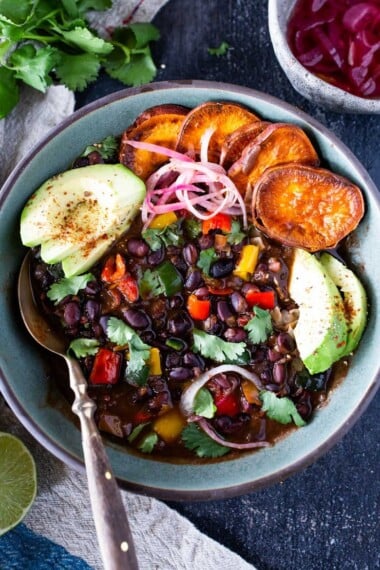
(111,523)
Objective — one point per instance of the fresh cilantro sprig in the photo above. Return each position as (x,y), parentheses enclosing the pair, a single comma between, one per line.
(196,440)
(137,370)
(148,443)
(170,235)
(68,286)
(204,404)
(150,284)
(210,346)
(83,347)
(45,41)
(235,236)
(206,258)
(260,326)
(283,410)
(222,49)
(107,148)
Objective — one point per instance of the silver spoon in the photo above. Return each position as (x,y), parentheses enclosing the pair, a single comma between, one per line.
(111,523)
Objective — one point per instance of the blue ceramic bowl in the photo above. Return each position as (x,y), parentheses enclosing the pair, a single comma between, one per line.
(27,376)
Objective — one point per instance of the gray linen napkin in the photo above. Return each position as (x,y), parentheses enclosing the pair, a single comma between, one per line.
(164,539)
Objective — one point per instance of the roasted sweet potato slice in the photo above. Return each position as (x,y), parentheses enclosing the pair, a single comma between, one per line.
(160,129)
(307,207)
(164,109)
(223,117)
(279,143)
(236,142)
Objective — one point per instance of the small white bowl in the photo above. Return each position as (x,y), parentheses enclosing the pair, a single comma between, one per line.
(307,84)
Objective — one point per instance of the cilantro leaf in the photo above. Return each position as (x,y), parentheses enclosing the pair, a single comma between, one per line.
(121,334)
(204,404)
(87,41)
(9,91)
(283,410)
(170,235)
(33,66)
(222,49)
(143,32)
(192,227)
(196,440)
(260,326)
(68,286)
(236,235)
(148,443)
(82,347)
(150,284)
(136,431)
(107,148)
(210,346)
(98,5)
(206,257)
(76,71)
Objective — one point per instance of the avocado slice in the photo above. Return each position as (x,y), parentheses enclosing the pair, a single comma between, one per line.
(354,299)
(76,215)
(321,330)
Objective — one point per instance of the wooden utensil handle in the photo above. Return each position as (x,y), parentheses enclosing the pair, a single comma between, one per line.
(111,523)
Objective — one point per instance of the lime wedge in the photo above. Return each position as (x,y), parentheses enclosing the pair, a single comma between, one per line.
(18,481)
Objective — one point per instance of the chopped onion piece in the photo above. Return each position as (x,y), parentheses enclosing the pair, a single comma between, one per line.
(159,150)
(209,430)
(188,396)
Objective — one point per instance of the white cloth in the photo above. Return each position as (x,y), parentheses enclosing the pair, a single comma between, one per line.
(164,539)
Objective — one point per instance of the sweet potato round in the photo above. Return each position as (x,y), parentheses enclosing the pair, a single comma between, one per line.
(279,143)
(236,142)
(224,117)
(307,207)
(160,129)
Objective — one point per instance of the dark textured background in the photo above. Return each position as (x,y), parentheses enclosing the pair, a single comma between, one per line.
(327,516)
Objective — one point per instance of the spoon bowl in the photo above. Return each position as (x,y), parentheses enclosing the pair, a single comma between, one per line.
(111,523)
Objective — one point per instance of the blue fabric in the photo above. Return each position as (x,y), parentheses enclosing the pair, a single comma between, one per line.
(23,549)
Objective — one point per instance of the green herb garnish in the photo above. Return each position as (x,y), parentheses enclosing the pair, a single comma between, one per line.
(283,410)
(221,50)
(260,326)
(148,443)
(196,440)
(68,286)
(235,236)
(83,347)
(210,346)
(204,404)
(206,258)
(107,148)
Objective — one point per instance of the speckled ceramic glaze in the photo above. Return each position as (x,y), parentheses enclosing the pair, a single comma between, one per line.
(27,376)
(307,84)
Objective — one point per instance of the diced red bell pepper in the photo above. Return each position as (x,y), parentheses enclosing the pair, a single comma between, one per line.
(227,404)
(199,309)
(114,269)
(219,222)
(262,299)
(106,367)
(129,288)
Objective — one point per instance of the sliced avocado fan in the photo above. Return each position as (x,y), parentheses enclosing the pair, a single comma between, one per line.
(321,330)
(354,299)
(76,215)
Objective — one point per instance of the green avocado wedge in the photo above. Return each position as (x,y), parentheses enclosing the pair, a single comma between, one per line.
(76,215)
(321,330)
(354,299)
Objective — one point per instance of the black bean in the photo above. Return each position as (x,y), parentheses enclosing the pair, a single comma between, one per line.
(235,335)
(194,280)
(137,247)
(71,313)
(224,312)
(248,287)
(92,288)
(222,267)
(80,162)
(137,318)
(158,308)
(173,360)
(285,342)
(190,254)
(103,321)
(176,302)
(273,355)
(212,325)
(92,309)
(148,336)
(156,257)
(238,302)
(279,372)
(95,157)
(180,324)
(228,425)
(180,374)
(191,359)
(205,242)
(202,292)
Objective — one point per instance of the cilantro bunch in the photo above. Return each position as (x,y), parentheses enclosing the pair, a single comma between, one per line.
(45,41)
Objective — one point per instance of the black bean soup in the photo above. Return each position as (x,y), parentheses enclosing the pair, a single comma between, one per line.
(182,291)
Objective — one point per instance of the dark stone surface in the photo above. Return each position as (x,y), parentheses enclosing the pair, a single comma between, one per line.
(325,517)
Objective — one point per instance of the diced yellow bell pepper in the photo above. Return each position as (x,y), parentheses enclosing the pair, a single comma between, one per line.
(251,393)
(170,425)
(161,221)
(155,362)
(247,262)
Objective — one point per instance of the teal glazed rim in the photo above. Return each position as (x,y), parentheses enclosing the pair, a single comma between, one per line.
(26,377)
